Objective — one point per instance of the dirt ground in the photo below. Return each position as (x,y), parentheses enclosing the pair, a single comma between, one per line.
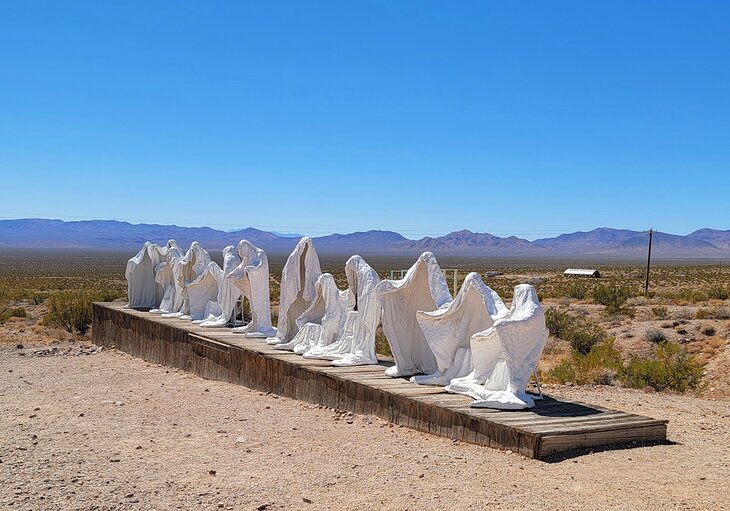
(87,429)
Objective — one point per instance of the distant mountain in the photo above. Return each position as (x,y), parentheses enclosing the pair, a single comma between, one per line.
(364,242)
(601,242)
(467,242)
(586,241)
(605,241)
(721,239)
(111,235)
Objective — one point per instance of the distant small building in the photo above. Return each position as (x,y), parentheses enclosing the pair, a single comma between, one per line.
(580,272)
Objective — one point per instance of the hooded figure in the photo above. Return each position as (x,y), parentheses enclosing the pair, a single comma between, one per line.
(185,271)
(322,322)
(505,355)
(210,284)
(165,277)
(300,273)
(250,279)
(423,288)
(142,290)
(448,330)
(356,344)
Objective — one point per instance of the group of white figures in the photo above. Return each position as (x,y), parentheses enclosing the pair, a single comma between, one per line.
(471,344)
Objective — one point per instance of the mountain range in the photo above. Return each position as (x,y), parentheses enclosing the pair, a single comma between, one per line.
(602,242)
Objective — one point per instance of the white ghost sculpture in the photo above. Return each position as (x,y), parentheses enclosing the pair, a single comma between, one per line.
(208,287)
(185,271)
(142,290)
(448,330)
(250,278)
(165,278)
(356,343)
(423,288)
(322,322)
(297,292)
(505,355)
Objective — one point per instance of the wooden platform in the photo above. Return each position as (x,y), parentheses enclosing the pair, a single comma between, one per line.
(552,426)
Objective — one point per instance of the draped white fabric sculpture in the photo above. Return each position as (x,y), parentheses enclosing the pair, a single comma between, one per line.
(249,278)
(322,322)
(207,288)
(222,310)
(185,271)
(356,344)
(165,278)
(505,355)
(300,273)
(142,290)
(448,330)
(423,288)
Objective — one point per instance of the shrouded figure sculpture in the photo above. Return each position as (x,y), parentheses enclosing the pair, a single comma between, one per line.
(142,290)
(448,330)
(356,343)
(250,279)
(297,292)
(505,355)
(165,278)
(209,285)
(322,322)
(423,288)
(185,271)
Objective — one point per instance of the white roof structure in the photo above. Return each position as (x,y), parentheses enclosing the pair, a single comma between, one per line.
(582,272)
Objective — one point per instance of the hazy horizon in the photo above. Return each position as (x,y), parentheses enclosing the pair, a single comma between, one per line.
(290,235)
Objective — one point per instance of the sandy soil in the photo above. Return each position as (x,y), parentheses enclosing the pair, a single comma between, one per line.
(88,429)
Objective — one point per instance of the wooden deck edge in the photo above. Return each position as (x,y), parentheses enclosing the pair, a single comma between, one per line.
(549,445)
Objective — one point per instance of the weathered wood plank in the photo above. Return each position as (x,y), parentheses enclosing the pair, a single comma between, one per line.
(549,445)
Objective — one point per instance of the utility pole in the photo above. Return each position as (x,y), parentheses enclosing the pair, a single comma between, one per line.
(648,261)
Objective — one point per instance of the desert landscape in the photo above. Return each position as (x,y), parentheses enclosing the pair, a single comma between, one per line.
(364,255)
(84,428)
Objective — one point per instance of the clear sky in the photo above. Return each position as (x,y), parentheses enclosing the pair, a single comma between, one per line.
(525,118)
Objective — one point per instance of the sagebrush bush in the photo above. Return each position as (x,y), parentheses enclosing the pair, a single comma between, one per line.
(38,298)
(12,312)
(686,295)
(718,292)
(613,297)
(660,312)
(713,313)
(671,368)
(71,310)
(558,320)
(577,289)
(598,367)
(581,333)
(585,336)
(382,347)
(655,336)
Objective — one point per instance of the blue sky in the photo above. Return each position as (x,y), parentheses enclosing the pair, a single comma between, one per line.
(529,118)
